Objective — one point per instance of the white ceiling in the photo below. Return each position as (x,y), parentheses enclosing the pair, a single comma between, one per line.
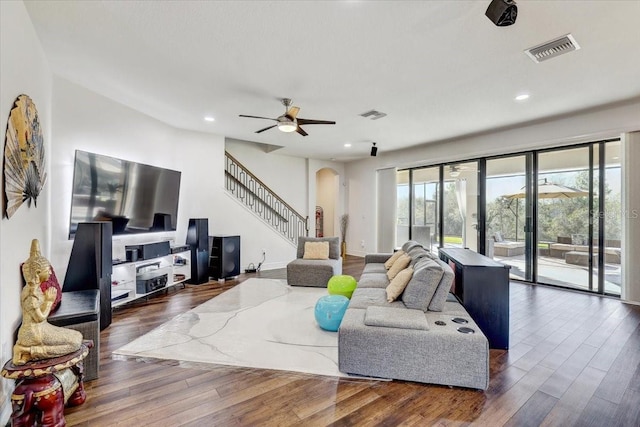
(438,69)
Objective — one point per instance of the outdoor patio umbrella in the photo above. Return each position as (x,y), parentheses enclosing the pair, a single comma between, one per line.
(546,190)
(549,190)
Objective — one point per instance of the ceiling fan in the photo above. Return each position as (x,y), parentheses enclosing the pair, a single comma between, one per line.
(455,170)
(289,121)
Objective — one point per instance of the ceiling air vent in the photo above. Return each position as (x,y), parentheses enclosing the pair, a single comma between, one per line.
(553,48)
(373,114)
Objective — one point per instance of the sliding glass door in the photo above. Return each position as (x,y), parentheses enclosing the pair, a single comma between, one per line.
(554,216)
(460,214)
(425,218)
(403,207)
(506,214)
(563,194)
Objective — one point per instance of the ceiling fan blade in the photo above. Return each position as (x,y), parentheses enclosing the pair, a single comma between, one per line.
(293,112)
(267,128)
(258,117)
(301,131)
(315,122)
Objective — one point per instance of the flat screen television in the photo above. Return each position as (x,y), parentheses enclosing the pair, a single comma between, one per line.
(135,197)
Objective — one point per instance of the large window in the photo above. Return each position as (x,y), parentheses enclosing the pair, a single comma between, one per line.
(425,218)
(553,215)
(461,205)
(506,213)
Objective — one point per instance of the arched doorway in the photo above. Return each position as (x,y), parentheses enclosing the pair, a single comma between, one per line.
(327,190)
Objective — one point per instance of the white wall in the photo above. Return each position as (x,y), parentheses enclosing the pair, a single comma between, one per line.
(360,178)
(591,125)
(23,70)
(87,121)
(285,175)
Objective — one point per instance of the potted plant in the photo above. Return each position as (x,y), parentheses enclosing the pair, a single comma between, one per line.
(344,223)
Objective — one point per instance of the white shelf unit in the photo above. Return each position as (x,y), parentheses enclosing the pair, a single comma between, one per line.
(123,277)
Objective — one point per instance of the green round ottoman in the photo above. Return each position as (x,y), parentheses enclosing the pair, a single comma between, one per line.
(342,285)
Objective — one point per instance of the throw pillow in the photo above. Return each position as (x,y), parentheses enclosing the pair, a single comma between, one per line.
(498,237)
(388,263)
(316,250)
(401,263)
(397,285)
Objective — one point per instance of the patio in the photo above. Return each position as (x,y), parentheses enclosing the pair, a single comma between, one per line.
(556,271)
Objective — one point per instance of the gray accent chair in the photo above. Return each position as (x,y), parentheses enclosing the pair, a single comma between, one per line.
(401,339)
(315,272)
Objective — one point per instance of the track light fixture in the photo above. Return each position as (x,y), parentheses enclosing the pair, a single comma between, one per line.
(374,150)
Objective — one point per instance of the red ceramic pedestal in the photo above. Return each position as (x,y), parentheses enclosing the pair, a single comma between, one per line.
(38,398)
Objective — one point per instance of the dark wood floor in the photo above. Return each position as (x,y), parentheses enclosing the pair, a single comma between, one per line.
(574,361)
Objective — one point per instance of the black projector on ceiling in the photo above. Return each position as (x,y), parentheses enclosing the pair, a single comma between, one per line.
(502,12)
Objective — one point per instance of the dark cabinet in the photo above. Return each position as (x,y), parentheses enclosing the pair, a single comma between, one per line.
(90,264)
(224,260)
(482,286)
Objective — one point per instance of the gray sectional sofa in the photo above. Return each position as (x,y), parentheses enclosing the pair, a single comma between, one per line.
(413,338)
(315,272)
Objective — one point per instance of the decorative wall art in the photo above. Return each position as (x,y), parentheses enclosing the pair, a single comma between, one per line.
(24,160)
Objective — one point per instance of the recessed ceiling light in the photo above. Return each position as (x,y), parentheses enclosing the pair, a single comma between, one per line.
(522,97)
(347,145)
(209,119)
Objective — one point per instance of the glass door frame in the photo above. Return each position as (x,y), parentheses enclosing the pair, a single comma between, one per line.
(532,208)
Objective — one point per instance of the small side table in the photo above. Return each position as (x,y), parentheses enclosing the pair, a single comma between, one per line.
(44,386)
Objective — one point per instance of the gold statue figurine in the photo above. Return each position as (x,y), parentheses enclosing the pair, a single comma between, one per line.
(37,338)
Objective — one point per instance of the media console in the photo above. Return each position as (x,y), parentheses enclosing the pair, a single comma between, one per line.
(138,279)
(482,286)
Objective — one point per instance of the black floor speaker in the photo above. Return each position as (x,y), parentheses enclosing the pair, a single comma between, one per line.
(90,264)
(198,242)
(225,257)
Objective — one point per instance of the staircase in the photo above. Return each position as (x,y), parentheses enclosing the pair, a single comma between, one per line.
(263,202)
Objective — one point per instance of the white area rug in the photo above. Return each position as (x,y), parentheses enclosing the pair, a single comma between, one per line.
(261,323)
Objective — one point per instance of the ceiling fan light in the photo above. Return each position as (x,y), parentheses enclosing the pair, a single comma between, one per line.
(287,126)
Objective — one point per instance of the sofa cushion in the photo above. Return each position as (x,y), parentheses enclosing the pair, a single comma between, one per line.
(398,284)
(442,292)
(388,263)
(374,280)
(334,245)
(312,272)
(432,255)
(423,285)
(374,267)
(366,297)
(406,247)
(316,250)
(416,254)
(392,317)
(401,263)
